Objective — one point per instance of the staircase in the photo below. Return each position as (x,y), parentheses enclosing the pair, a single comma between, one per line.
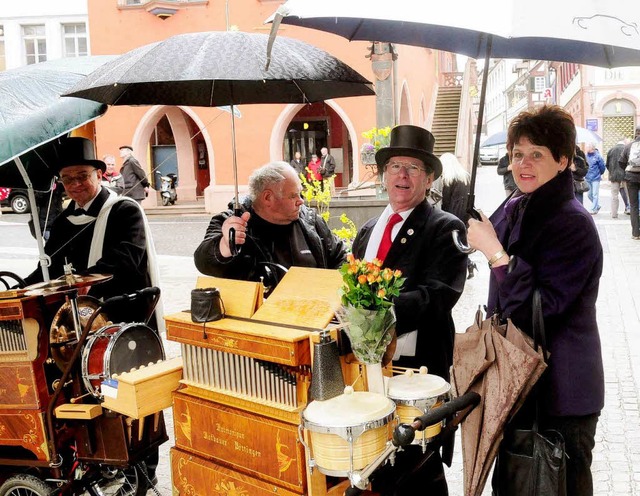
(445,119)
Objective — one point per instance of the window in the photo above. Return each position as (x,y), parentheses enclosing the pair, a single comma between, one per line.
(538,84)
(35,43)
(74,40)
(3,62)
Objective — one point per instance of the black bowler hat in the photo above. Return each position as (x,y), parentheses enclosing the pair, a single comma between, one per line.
(77,151)
(411,141)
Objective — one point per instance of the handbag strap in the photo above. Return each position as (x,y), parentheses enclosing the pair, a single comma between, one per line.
(539,336)
(539,341)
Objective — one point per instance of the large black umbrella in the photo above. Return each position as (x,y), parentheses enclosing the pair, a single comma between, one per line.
(592,32)
(33,116)
(218,68)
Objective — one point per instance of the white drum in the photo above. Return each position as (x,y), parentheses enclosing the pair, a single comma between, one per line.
(416,394)
(349,431)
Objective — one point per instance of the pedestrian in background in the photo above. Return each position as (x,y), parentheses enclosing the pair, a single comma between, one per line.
(313,169)
(297,163)
(455,194)
(504,170)
(630,162)
(594,175)
(111,178)
(136,184)
(579,169)
(616,177)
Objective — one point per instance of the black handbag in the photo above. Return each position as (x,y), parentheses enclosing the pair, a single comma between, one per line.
(532,462)
(206,305)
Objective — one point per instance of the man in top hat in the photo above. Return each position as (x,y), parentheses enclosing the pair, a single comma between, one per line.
(100,232)
(415,238)
(136,184)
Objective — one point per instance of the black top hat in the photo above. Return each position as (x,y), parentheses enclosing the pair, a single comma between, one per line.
(411,141)
(77,151)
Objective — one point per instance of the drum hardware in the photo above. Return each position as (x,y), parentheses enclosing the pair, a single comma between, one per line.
(55,383)
(455,411)
(327,380)
(63,335)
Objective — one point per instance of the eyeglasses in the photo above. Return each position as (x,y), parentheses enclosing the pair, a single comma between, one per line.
(393,168)
(79,178)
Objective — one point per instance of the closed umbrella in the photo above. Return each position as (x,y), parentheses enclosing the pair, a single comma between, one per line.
(499,363)
(32,115)
(218,68)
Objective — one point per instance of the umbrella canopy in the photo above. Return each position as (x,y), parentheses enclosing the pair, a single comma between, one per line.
(583,135)
(32,111)
(592,32)
(499,363)
(214,68)
(218,68)
(589,32)
(32,116)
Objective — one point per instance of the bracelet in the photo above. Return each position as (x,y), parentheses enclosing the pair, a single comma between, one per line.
(496,257)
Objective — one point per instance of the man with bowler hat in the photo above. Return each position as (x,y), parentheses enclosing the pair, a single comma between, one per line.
(136,184)
(415,238)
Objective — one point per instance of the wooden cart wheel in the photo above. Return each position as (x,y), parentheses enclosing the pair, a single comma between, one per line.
(25,485)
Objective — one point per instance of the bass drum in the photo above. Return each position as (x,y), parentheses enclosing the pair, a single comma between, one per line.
(118,348)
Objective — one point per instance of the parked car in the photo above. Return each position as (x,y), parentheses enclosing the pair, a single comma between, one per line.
(490,155)
(15,198)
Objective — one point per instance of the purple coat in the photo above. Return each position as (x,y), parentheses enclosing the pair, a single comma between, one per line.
(554,246)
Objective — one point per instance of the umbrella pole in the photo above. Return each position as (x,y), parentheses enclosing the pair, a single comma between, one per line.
(476,149)
(45,261)
(235,249)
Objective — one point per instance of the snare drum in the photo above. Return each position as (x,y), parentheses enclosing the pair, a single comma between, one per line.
(416,394)
(118,348)
(349,431)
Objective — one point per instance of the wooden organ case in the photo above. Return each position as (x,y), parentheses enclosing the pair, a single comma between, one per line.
(245,383)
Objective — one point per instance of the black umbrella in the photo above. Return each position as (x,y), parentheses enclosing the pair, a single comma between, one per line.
(592,32)
(219,68)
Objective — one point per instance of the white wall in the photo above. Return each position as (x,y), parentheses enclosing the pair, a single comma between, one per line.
(51,13)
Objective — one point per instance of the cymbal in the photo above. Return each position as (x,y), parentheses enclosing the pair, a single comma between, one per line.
(66,283)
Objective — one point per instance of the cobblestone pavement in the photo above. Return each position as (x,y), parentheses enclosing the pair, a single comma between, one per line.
(616,464)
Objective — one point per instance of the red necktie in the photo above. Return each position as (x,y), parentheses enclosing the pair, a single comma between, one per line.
(385,243)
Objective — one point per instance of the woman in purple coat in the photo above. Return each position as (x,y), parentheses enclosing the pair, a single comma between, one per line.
(543,238)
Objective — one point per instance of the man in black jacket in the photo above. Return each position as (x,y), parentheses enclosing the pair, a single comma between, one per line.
(274,232)
(616,177)
(421,246)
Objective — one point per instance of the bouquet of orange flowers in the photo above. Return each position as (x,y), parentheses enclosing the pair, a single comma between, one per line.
(368,314)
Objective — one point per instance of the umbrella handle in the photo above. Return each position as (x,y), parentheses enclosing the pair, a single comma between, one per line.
(459,244)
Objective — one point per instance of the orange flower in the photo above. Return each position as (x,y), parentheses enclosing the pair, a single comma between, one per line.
(387,274)
(371,278)
(350,258)
(382,293)
(362,279)
(397,273)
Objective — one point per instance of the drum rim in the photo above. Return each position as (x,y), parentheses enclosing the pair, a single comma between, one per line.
(444,390)
(106,368)
(350,431)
